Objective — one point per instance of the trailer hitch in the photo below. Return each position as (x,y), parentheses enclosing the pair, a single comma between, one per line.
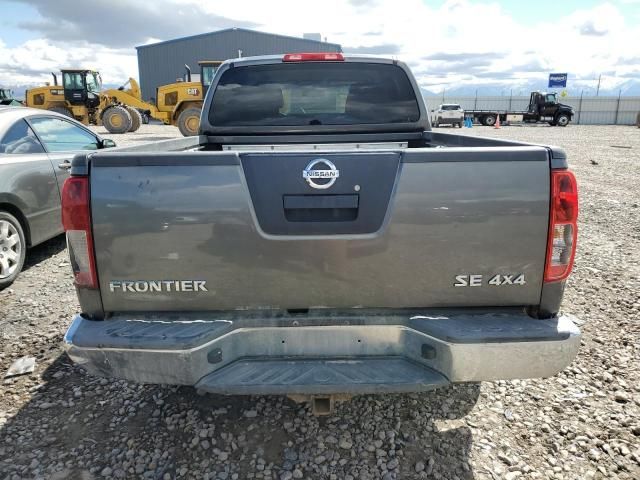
(321,405)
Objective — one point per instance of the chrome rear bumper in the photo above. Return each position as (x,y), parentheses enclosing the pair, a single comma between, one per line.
(358,352)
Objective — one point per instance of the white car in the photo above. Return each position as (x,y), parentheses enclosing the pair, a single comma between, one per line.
(448,114)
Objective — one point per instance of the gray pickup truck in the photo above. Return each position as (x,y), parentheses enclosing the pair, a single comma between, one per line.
(319,239)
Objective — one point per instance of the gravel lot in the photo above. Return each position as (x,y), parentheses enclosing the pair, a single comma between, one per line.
(60,423)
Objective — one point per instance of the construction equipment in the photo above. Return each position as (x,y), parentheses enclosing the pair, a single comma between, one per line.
(121,110)
(180,103)
(6,97)
(80,97)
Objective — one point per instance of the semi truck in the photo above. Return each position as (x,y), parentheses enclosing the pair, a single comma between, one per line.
(543,107)
(318,239)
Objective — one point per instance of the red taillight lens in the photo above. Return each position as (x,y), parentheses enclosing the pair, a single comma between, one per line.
(563,226)
(76,221)
(313,57)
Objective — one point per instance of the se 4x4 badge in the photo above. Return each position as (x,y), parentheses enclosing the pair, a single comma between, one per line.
(496,280)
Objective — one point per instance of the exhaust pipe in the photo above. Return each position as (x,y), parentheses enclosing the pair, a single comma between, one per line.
(188,72)
(55,78)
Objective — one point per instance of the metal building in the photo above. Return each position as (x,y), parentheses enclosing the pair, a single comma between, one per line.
(161,63)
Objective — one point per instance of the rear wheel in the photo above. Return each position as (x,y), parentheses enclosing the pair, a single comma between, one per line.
(116,119)
(136,118)
(12,249)
(189,121)
(489,120)
(62,111)
(562,120)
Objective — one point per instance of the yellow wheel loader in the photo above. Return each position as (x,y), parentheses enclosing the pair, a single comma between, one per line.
(181,102)
(119,110)
(79,97)
(178,104)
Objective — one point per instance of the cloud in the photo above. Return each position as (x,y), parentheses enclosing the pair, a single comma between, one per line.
(31,63)
(438,40)
(383,49)
(362,3)
(121,23)
(463,56)
(589,28)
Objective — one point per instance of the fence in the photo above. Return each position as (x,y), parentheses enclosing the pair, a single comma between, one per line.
(588,110)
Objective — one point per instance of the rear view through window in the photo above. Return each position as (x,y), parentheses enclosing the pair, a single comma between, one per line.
(296,94)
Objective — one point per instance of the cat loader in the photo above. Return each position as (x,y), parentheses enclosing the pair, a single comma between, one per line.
(80,97)
(180,103)
(120,110)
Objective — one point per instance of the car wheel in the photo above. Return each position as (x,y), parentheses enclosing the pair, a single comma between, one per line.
(562,120)
(12,249)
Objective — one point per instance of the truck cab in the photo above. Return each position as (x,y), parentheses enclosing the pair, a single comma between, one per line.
(208,69)
(82,87)
(545,104)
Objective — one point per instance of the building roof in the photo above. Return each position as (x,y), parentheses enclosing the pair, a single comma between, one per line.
(227,30)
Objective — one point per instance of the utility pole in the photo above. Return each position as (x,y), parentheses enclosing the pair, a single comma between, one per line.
(580,107)
(615,122)
(598,89)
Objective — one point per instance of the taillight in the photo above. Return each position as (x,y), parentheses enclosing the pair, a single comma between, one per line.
(563,226)
(313,57)
(76,221)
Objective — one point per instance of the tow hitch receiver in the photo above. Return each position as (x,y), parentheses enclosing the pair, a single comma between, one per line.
(321,405)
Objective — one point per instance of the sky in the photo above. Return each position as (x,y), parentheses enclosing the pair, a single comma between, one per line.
(449,44)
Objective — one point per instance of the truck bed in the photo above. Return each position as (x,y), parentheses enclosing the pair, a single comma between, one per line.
(422,216)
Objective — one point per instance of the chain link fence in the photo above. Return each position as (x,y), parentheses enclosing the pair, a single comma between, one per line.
(588,110)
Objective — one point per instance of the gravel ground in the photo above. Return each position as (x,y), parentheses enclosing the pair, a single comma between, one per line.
(60,423)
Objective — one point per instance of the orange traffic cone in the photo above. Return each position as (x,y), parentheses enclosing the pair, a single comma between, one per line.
(497,125)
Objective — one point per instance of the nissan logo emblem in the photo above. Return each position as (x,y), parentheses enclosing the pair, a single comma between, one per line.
(327,176)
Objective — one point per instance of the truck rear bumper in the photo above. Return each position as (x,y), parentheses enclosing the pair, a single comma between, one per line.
(322,353)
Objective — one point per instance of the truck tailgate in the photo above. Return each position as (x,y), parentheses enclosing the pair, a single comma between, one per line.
(408,228)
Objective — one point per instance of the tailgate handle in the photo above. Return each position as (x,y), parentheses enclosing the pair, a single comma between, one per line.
(320,201)
(321,208)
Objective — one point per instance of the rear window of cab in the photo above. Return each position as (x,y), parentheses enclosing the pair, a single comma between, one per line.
(314,93)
